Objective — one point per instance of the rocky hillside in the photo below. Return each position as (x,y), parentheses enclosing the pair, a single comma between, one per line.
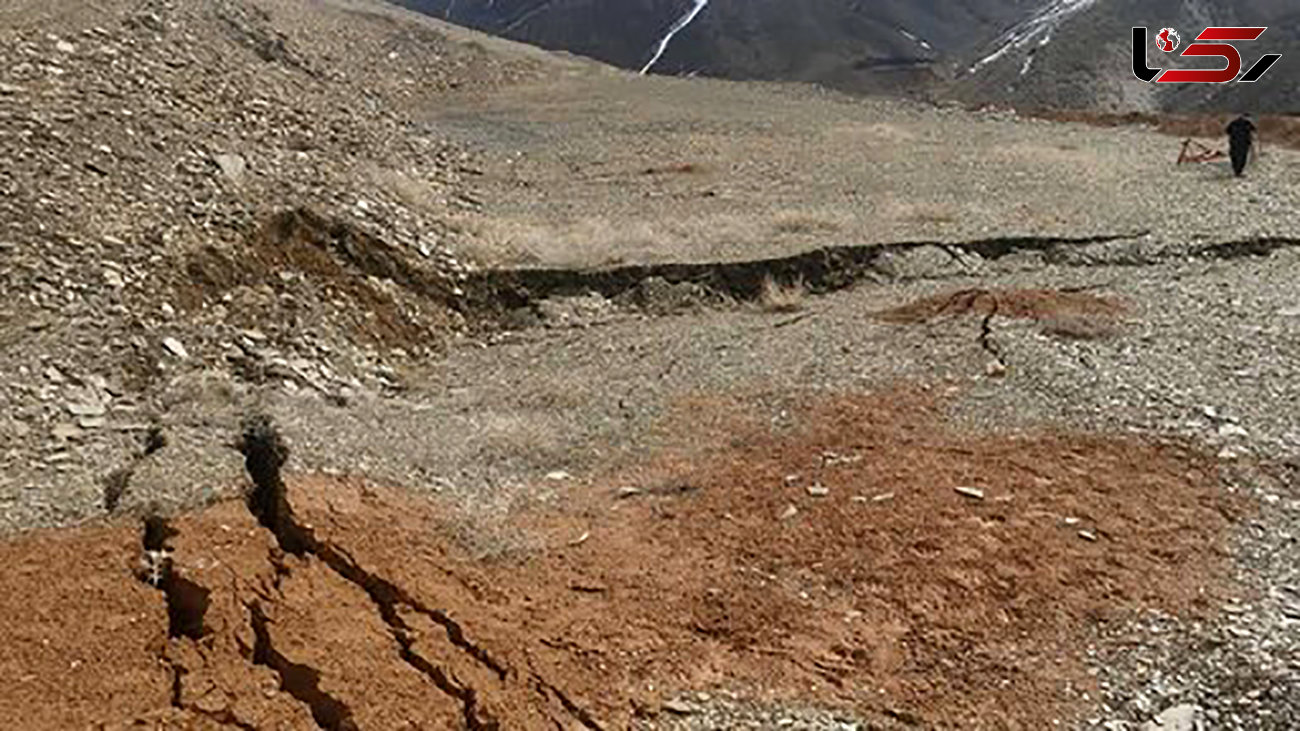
(215,186)
(1031,53)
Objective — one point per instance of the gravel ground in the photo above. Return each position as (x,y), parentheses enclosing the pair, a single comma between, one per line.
(590,170)
(1207,354)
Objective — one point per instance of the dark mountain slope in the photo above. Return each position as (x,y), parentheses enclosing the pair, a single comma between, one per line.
(851,44)
(1030,53)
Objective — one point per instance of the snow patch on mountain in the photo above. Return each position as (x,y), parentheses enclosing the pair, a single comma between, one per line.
(676,28)
(1038,28)
(918,40)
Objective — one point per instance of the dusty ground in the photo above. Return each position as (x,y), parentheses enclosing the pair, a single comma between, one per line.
(667,498)
(607,169)
(868,559)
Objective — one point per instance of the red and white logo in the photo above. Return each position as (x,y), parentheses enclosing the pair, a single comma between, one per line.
(1167,40)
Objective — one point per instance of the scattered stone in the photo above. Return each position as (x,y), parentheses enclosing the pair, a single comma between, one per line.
(439,484)
(995,369)
(626,492)
(883,497)
(1184,717)
(86,408)
(92,422)
(1228,429)
(65,432)
(1230,453)
(1088,536)
(65,47)
(54,375)
(558,476)
(818,490)
(679,708)
(970,492)
(10,89)
(175,347)
(232,167)
(580,539)
(789,512)
(833,458)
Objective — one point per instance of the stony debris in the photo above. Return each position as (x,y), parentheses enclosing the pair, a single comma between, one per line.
(180,176)
(1183,717)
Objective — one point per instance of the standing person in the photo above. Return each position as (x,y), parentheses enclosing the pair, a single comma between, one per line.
(1240,131)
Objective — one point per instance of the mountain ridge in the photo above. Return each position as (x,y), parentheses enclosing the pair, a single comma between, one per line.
(1064,54)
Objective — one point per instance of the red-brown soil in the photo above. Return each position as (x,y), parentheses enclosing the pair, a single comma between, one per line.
(888,593)
(1071,314)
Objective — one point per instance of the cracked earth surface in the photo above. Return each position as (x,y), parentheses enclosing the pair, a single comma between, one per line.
(845,558)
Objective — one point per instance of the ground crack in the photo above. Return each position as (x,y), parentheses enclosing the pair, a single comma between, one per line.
(467,696)
(986,333)
(300,681)
(187,605)
(264,455)
(584,717)
(823,270)
(187,602)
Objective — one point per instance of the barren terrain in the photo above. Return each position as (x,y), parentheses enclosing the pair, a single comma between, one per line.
(536,394)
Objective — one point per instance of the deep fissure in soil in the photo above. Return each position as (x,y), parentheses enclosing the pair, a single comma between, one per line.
(300,681)
(187,602)
(265,454)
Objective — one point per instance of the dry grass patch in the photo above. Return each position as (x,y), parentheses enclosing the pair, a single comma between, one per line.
(680,168)
(1077,315)
(804,222)
(776,297)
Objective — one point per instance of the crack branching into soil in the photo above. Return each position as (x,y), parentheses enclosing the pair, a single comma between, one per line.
(547,690)
(187,602)
(986,333)
(467,696)
(1062,313)
(187,606)
(117,481)
(264,454)
(300,681)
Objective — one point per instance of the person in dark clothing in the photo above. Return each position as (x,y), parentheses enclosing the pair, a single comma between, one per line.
(1240,131)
